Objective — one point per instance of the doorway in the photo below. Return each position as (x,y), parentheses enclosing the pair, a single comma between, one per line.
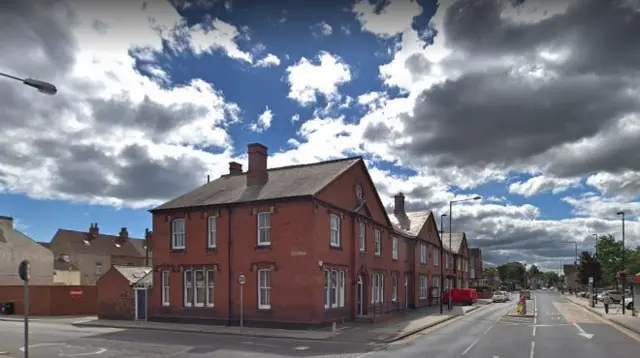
(141,303)
(360,293)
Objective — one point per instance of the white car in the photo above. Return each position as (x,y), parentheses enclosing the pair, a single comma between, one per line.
(498,297)
(507,295)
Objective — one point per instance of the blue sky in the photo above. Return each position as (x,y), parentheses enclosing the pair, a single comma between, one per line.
(152,98)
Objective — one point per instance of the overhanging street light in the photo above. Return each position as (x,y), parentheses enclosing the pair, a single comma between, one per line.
(41,86)
(478,197)
(624,274)
(441,263)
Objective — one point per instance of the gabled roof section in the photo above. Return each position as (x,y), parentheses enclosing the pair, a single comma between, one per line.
(409,224)
(101,244)
(284,182)
(456,241)
(136,275)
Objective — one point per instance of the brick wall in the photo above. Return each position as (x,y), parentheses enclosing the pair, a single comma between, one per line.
(52,300)
(115,297)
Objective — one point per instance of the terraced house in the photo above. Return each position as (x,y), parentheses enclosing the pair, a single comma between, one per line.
(313,242)
(457,259)
(418,229)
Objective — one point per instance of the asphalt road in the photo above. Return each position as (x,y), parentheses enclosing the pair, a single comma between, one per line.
(559,329)
(49,340)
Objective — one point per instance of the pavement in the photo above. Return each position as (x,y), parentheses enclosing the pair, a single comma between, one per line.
(615,316)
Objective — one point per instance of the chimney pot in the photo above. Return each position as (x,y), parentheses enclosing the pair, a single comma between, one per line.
(235,168)
(124,234)
(257,173)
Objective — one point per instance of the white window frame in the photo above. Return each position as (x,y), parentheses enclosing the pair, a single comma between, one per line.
(423,287)
(394,248)
(187,285)
(327,290)
(341,288)
(98,270)
(363,236)
(436,256)
(199,286)
(212,225)
(335,230)
(166,290)
(178,237)
(333,288)
(394,287)
(377,288)
(423,253)
(263,228)
(210,285)
(264,289)
(378,236)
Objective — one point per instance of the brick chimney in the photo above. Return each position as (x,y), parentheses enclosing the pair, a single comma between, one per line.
(124,234)
(235,168)
(94,230)
(6,223)
(398,209)
(257,173)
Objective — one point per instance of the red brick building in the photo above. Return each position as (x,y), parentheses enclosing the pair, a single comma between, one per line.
(313,241)
(422,275)
(457,260)
(476,273)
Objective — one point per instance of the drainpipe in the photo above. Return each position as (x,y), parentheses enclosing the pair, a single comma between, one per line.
(229,271)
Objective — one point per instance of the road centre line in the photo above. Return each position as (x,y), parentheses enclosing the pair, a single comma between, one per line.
(533,349)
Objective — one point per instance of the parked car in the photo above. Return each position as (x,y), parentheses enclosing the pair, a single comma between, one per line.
(616,296)
(507,295)
(628,303)
(498,297)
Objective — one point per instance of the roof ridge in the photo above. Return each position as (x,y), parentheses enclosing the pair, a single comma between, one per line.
(99,234)
(295,166)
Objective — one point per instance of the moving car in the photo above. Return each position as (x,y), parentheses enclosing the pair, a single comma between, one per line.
(498,297)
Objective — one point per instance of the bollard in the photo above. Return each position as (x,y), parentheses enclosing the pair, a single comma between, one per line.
(334,328)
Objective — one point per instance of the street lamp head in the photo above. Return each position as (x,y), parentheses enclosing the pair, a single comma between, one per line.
(620,213)
(478,197)
(443,215)
(41,86)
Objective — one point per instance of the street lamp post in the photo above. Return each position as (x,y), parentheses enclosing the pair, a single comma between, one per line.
(450,232)
(42,86)
(624,274)
(595,282)
(441,263)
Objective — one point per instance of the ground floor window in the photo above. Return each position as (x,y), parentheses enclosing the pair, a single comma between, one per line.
(165,288)
(394,287)
(198,288)
(334,288)
(264,289)
(423,287)
(377,287)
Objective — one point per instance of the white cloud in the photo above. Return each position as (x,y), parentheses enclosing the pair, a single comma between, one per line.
(396,17)
(625,184)
(321,29)
(264,121)
(268,61)
(307,80)
(295,118)
(541,184)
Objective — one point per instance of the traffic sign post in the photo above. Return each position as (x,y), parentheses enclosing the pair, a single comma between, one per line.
(24,271)
(76,292)
(242,279)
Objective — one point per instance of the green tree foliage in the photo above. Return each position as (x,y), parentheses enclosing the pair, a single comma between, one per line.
(551,278)
(512,272)
(589,267)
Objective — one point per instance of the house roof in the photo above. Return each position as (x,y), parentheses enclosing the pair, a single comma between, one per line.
(101,244)
(136,275)
(456,241)
(475,252)
(284,182)
(409,224)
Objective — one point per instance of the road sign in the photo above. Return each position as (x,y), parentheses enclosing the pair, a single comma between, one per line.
(242,279)
(24,270)
(591,280)
(75,292)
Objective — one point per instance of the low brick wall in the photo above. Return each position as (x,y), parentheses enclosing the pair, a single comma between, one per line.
(53,300)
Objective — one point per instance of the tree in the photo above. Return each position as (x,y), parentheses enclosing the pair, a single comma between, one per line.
(589,267)
(609,253)
(551,278)
(512,272)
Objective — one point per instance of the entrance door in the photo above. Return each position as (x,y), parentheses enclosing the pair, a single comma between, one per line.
(406,290)
(141,304)
(360,293)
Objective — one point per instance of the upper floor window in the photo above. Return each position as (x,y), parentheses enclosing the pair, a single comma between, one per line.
(335,230)
(264,229)
(177,234)
(363,239)
(436,256)
(211,239)
(378,242)
(423,253)
(394,248)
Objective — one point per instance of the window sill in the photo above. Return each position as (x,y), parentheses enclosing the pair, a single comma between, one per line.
(378,255)
(333,308)
(178,251)
(334,247)
(264,308)
(263,246)
(212,249)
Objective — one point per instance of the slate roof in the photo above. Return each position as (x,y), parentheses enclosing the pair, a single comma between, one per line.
(102,244)
(409,224)
(284,182)
(136,275)
(456,241)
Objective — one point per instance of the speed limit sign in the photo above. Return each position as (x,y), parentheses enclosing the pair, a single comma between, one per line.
(242,279)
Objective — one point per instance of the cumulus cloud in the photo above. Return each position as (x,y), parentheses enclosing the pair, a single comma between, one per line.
(308,80)
(270,60)
(264,121)
(321,29)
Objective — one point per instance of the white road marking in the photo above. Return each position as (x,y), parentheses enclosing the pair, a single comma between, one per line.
(259,344)
(533,349)
(301,348)
(487,330)
(582,332)
(99,351)
(471,346)
(534,331)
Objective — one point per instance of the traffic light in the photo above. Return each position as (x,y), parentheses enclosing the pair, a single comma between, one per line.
(24,270)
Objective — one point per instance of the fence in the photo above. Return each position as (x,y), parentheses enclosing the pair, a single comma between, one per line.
(53,300)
